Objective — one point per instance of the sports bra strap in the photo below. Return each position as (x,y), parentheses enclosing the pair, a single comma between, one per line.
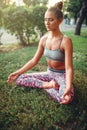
(61,41)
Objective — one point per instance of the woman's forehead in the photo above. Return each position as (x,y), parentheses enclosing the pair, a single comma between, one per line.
(50,14)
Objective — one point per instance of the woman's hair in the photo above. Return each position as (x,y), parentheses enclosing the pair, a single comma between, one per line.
(56,9)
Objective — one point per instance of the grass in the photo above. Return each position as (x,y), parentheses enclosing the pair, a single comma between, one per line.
(32,109)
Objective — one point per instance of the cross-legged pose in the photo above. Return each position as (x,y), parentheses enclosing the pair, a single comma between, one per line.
(58,50)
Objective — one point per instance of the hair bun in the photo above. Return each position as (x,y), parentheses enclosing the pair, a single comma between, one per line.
(59,5)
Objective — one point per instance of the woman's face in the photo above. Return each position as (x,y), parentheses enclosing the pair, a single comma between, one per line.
(51,21)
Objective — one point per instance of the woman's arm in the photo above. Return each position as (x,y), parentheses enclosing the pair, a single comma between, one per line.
(30,64)
(68,65)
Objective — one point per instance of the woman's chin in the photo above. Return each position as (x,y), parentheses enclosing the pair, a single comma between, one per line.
(48,29)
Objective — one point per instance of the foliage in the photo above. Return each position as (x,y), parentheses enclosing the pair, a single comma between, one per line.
(33,109)
(2,3)
(82,15)
(18,21)
(35,2)
(74,7)
(22,21)
(1,21)
(38,15)
(1,16)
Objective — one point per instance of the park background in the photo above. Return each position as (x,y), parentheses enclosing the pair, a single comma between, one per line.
(21,26)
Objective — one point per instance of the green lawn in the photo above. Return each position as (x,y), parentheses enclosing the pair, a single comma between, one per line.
(32,109)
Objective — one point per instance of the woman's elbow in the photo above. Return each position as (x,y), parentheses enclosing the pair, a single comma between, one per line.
(34,61)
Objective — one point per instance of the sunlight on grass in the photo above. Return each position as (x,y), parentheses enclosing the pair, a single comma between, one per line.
(9,47)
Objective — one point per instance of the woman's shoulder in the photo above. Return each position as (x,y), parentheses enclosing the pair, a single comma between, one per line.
(66,38)
(67,42)
(43,39)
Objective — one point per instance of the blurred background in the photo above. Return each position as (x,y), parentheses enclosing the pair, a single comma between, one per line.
(22,21)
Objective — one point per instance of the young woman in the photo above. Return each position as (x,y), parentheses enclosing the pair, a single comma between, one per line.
(57,48)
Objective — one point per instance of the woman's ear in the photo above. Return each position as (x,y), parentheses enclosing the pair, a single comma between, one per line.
(60,20)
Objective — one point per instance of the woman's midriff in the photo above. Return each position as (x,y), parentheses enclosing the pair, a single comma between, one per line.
(56,64)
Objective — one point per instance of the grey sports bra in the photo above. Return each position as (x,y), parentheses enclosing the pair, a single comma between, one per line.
(56,55)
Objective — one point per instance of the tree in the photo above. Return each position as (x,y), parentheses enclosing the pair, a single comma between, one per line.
(7,2)
(38,15)
(35,2)
(79,11)
(22,21)
(1,16)
(74,7)
(2,3)
(82,15)
(18,20)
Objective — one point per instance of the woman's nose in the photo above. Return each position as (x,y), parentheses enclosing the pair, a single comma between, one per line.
(47,22)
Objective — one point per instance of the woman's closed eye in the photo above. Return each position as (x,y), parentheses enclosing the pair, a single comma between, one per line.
(49,19)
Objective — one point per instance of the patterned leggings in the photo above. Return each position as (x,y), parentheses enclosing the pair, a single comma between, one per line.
(36,80)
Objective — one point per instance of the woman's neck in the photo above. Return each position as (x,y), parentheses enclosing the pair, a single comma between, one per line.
(55,34)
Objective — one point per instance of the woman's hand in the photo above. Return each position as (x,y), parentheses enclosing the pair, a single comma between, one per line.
(66,97)
(12,77)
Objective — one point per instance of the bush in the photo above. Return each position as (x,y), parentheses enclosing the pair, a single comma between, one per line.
(18,20)
(21,21)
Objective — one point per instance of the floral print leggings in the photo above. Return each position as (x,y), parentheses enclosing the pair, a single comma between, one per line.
(36,80)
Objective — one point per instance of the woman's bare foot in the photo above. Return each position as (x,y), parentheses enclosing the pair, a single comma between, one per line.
(51,84)
(54,84)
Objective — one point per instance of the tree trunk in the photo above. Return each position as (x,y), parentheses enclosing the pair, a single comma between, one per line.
(22,39)
(82,16)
